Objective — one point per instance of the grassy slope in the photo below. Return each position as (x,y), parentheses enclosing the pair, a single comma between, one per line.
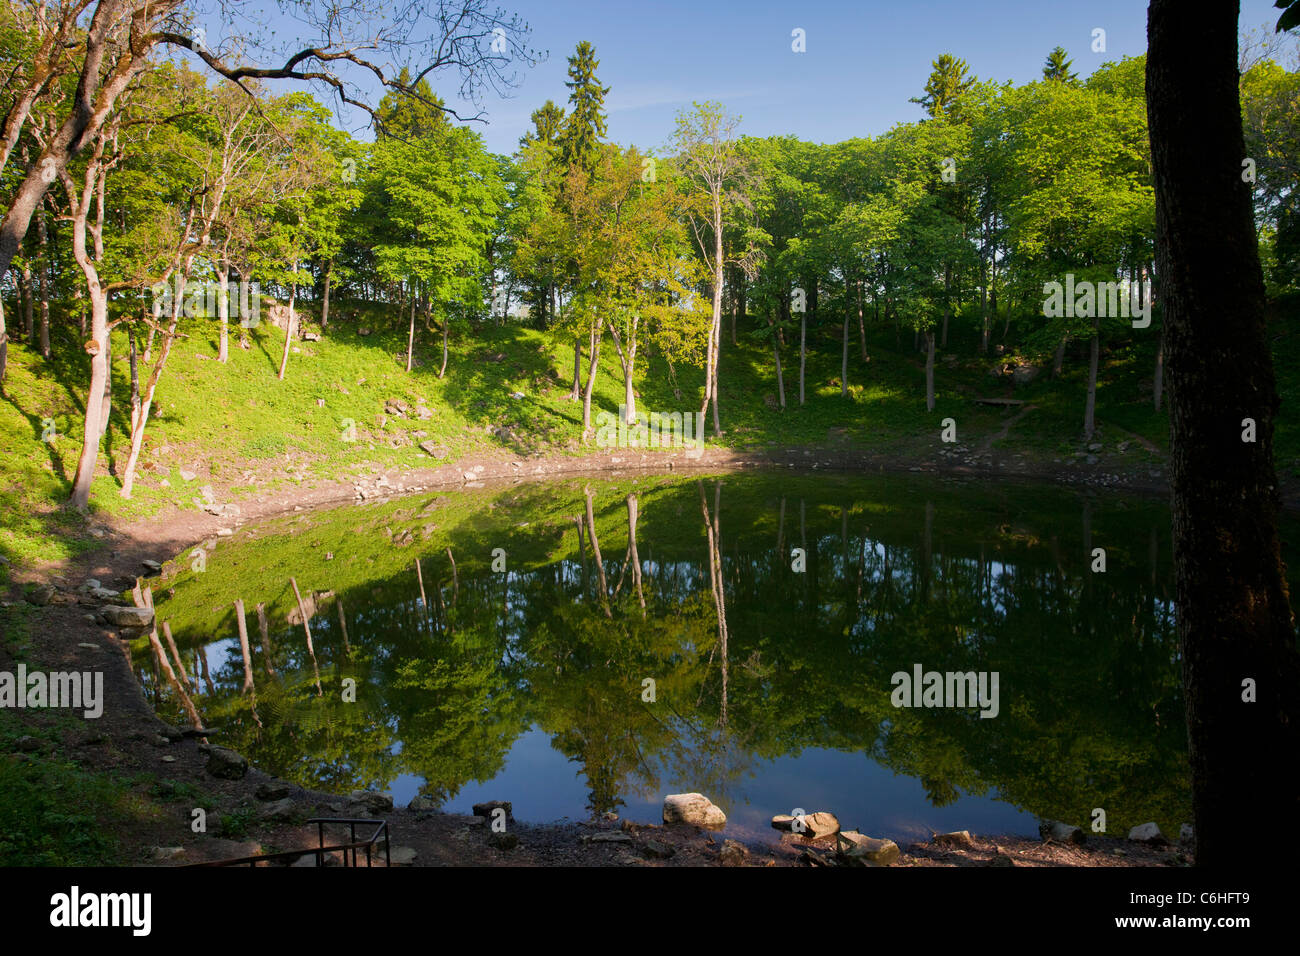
(243,424)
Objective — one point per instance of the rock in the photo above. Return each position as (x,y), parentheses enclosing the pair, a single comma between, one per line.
(858,849)
(734,853)
(1024,374)
(608,836)
(226,764)
(1000,858)
(161,854)
(1091,460)
(187,475)
(658,849)
(28,744)
(104,594)
(1148,833)
(485,809)
(128,616)
(783,821)
(503,841)
(470,476)
(273,790)
(41,595)
(363,332)
(402,855)
(151,565)
(1186,834)
(817,824)
(372,801)
(424,413)
(421,803)
(1051,830)
(281,811)
(311,336)
(158,740)
(955,838)
(434,451)
(1095,446)
(90,584)
(694,808)
(89,647)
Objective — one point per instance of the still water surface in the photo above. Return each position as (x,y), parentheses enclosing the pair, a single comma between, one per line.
(770,668)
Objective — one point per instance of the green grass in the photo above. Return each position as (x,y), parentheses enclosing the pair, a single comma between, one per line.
(237,425)
(54,812)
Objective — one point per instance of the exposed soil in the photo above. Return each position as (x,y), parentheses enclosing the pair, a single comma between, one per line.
(129,739)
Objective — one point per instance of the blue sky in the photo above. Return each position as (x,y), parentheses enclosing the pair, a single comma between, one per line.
(863,60)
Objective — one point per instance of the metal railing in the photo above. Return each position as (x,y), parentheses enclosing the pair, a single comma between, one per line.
(351,847)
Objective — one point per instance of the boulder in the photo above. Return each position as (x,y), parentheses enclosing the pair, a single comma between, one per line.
(371,801)
(485,809)
(783,821)
(694,808)
(273,790)
(1186,834)
(1051,830)
(1024,374)
(226,764)
(421,803)
(858,849)
(608,836)
(1148,833)
(955,838)
(817,824)
(281,811)
(503,841)
(127,616)
(41,595)
(734,853)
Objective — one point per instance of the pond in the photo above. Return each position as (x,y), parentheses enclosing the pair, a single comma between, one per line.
(578,647)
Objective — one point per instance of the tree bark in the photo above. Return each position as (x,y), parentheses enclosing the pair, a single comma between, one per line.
(1234,614)
(929,370)
(1159,383)
(1094,357)
(803,352)
(1058,361)
(410,335)
(43,277)
(844,360)
(325,302)
(223,313)
(576,392)
(290,325)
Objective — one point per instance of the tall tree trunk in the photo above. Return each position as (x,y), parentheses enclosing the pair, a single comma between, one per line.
(844,360)
(780,378)
(98,375)
(410,335)
(27,291)
(593,358)
(1159,383)
(325,301)
(929,370)
(446,330)
(43,276)
(1234,613)
(291,326)
(223,313)
(575,393)
(1094,356)
(1058,361)
(803,352)
(862,325)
